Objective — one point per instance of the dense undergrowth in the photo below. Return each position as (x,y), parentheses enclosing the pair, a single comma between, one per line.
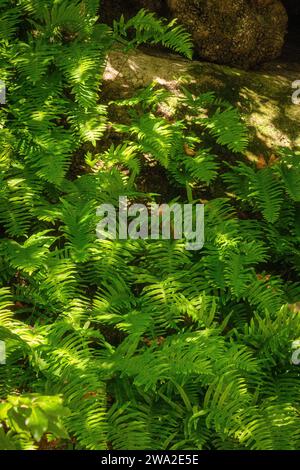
(136,344)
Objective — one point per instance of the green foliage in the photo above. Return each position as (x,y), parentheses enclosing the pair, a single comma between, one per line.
(29,417)
(151,30)
(136,344)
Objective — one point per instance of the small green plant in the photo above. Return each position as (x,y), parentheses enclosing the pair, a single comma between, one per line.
(28,418)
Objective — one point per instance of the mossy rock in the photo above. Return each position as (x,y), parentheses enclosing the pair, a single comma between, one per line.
(264,97)
(240,33)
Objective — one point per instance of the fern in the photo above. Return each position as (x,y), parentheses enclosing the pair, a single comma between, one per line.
(149,29)
(137,344)
(262,186)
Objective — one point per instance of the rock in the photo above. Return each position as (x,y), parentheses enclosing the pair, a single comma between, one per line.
(234,32)
(240,33)
(263,97)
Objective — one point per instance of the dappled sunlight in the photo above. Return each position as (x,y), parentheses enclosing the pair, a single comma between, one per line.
(264,98)
(149,227)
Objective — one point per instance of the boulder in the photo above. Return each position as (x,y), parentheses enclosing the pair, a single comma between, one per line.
(240,33)
(235,32)
(263,97)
